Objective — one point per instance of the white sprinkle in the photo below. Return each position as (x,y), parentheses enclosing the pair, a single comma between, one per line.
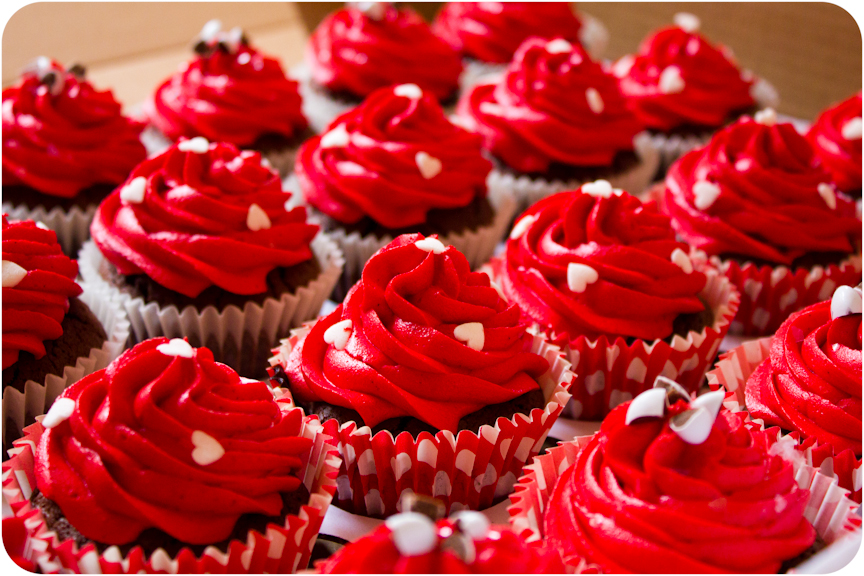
(257,219)
(41,225)
(199,145)
(207,449)
(429,166)
(431,245)
(522,226)
(133,192)
(671,81)
(852,129)
(595,101)
(289,205)
(176,347)
(339,333)
(473,524)
(579,276)
(413,533)
(558,46)
(688,22)
(826,191)
(471,333)
(648,404)
(233,39)
(697,428)
(682,260)
(61,410)
(408,91)
(374,10)
(766,117)
(43,64)
(600,189)
(705,194)
(244,58)
(835,346)
(12,274)
(210,30)
(845,301)
(623,66)
(338,137)
(711,401)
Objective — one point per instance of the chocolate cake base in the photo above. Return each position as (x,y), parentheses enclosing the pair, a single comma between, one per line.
(31,198)
(622,162)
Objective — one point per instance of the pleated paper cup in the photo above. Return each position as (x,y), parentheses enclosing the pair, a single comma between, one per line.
(21,409)
(318,108)
(241,338)
(829,509)
(468,470)
(731,374)
(71,226)
(283,548)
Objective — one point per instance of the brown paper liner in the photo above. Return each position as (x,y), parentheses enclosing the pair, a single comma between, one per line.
(283,549)
(468,470)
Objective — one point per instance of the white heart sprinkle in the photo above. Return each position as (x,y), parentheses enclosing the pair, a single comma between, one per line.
(338,137)
(198,145)
(558,46)
(696,429)
(711,401)
(472,334)
(41,225)
(61,410)
(846,301)
(623,66)
(431,245)
(852,129)
(257,219)
(207,449)
(671,81)
(766,117)
(429,166)
(671,386)
(210,30)
(826,191)
(522,226)
(244,58)
(413,533)
(648,404)
(705,194)
(176,347)
(595,101)
(688,22)
(474,524)
(408,91)
(43,64)
(233,39)
(12,274)
(579,276)
(682,260)
(133,192)
(374,10)
(600,189)
(339,333)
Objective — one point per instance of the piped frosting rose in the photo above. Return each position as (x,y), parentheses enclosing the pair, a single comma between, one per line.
(597,261)
(167,438)
(358,50)
(836,136)
(230,92)
(757,190)
(61,135)
(393,158)
(679,78)
(419,335)
(554,105)
(38,280)
(201,215)
(679,489)
(492,31)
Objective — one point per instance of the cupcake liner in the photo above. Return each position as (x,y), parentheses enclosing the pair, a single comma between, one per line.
(770,294)
(529,190)
(72,227)
(670,147)
(594,36)
(831,512)
(20,409)
(283,549)
(476,71)
(319,108)
(731,373)
(240,338)
(468,470)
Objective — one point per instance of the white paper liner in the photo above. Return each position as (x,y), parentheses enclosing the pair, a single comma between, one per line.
(476,71)
(528,190)
(283,549)
(72,227)
(22,408)
(261,324)
(318,108)
(468,470)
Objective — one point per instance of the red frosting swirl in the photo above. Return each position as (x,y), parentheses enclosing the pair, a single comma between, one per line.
(640,499)
(402,357)
(554,105)
(63,139)
(229,96)
(838,143)
(811,382)
(710,89)
(353,52)
(638,290)
(378,171)
(34,307)
(195,225)
(769,204)
(492,31)
(138,449)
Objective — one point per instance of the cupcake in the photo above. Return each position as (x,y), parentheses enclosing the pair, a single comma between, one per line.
(757,201)
(66,145)
(169,461)
(50,334)
(396,164)
(428,379)
(555,120)
(683,88)
(199,242)
(230,92)
(487,34)
(602,275)
(836,137)
(369,45)
(674,484)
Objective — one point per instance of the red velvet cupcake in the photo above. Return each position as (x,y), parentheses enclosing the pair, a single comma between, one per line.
(836,137)
(66,145)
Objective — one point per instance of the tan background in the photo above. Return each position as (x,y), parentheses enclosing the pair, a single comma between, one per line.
(810,51)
